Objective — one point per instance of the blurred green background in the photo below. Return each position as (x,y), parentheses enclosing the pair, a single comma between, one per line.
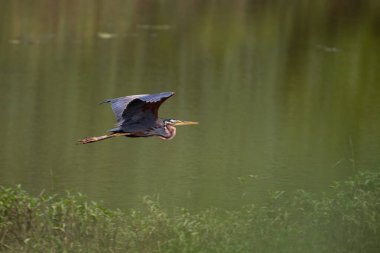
(287,94)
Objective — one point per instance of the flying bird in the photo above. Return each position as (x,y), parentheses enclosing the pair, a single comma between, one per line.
(137,116)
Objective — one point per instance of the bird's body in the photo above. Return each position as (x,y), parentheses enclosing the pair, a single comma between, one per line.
(137,116)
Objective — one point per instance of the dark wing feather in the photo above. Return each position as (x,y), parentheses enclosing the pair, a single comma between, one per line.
(137,112)
(120,104)
(142,113)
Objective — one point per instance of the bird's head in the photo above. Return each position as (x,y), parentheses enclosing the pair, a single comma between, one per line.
(176,122)
(169,125)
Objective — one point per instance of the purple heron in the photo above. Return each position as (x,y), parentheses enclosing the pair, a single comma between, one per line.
(137,116)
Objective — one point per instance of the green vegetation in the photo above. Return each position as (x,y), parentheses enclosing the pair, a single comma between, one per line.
(345,219)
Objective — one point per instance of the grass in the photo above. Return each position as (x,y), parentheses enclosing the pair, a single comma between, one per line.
(345,219)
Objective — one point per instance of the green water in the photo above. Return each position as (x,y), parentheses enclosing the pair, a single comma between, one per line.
(287,94)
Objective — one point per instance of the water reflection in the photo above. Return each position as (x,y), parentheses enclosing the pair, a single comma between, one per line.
(285,92)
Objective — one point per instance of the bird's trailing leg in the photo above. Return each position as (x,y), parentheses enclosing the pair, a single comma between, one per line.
(101,138)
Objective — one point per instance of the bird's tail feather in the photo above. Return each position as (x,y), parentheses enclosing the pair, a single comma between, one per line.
(100,138)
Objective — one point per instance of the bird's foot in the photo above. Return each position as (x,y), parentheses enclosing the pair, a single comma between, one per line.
(88,140)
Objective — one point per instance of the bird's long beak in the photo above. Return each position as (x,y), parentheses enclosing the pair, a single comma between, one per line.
(182,123)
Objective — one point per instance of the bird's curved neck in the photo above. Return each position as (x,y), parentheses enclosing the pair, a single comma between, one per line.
(170,132)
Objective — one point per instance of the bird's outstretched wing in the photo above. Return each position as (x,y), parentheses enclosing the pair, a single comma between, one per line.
(137,112)
(120,104)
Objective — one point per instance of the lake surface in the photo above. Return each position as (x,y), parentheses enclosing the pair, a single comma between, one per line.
(287,96)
